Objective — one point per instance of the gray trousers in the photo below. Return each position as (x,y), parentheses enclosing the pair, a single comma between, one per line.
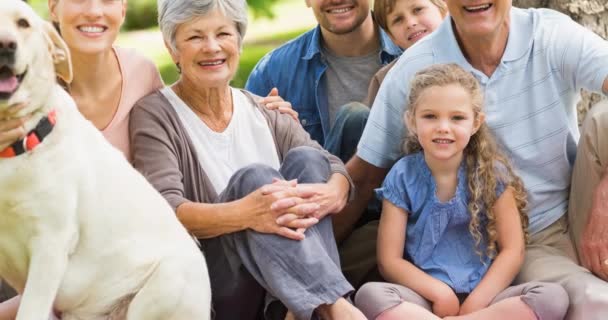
(549,301)
(246,266)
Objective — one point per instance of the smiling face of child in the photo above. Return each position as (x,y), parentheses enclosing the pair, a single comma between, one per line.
(443,119)
(412,20)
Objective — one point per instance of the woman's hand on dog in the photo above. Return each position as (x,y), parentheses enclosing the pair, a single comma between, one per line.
(272,203)
(11,129)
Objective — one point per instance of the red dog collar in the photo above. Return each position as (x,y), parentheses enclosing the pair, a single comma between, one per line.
(32,139)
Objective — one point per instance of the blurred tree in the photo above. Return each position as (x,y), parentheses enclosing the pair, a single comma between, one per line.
(262,8)
(141,14)
(592,14)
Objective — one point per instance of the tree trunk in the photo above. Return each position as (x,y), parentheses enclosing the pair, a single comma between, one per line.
(592,14)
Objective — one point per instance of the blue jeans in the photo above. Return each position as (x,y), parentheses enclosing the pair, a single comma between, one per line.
(346,132)
(244,265)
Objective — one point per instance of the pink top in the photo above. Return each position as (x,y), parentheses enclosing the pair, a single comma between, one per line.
(140,77)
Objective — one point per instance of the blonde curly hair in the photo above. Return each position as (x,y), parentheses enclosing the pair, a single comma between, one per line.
(482,156)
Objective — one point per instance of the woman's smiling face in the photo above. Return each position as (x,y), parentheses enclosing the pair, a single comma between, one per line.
(88,26)
(207,49)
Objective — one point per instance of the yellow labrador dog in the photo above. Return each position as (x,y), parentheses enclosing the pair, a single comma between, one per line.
(81,232)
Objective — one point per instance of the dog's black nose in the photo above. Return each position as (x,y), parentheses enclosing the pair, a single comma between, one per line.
(9,44)
(8,47)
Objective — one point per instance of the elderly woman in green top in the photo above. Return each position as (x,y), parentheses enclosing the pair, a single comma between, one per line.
(245,180)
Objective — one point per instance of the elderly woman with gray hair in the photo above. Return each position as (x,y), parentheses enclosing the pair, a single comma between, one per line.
(247,181)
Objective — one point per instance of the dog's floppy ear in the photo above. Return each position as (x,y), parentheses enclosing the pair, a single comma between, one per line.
(60,53)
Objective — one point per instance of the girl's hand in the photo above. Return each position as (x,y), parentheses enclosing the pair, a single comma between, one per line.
(474,303)
(273,102)
(445,302)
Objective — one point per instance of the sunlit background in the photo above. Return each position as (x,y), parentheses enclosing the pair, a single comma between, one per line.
(271,23)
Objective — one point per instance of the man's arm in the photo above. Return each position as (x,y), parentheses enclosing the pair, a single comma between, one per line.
(366,178)
(581,54)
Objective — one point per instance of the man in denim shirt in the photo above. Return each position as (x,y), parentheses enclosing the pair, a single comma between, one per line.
(300,68)
(321,73)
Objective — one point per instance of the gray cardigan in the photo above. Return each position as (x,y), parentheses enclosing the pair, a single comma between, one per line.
(165,155)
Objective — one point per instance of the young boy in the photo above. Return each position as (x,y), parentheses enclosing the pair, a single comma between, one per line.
(406,22)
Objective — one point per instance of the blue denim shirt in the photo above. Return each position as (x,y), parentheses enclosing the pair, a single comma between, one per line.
(296,69)
(438,238)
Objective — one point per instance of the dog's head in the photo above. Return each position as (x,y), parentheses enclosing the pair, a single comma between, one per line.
(31,55)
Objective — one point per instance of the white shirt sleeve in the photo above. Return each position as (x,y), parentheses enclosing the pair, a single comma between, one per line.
(580,54)
(383,136)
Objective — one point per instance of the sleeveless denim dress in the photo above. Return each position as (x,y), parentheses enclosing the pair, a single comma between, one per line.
(438,240)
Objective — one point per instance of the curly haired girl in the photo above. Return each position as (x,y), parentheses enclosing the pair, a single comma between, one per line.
(462,209)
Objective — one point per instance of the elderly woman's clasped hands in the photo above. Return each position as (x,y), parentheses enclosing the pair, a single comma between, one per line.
(288,209)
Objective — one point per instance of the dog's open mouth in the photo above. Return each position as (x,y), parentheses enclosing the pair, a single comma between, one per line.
(9,82)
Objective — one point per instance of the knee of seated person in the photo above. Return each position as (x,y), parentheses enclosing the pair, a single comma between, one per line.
(305,154)
(367,298)
(597,117)
(370,292)
(353,121)
(366,292)
(588,295)
(600,107)
(354,108)
(354,112)
(259,174)
(548,300)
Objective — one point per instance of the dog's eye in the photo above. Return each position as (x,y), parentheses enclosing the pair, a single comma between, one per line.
(22,23)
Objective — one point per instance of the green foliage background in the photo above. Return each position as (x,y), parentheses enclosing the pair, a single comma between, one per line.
(141,21)
(142,14)
(262,8)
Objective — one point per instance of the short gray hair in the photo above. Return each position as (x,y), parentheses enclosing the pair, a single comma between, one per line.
(173,13)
